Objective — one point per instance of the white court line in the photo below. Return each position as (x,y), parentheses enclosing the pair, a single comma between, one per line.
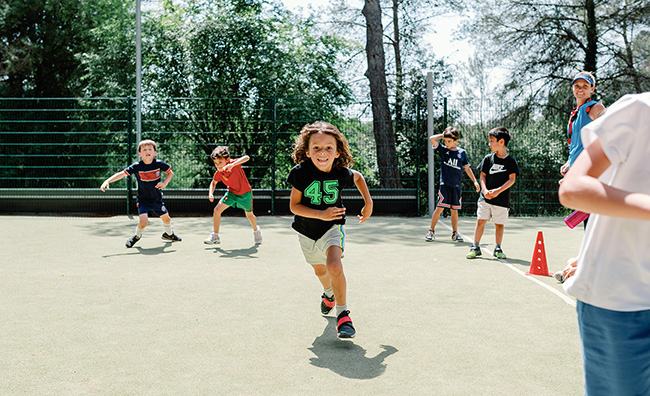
(531,278)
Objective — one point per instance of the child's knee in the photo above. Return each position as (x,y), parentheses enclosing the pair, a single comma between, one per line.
(320,270)
(334,267)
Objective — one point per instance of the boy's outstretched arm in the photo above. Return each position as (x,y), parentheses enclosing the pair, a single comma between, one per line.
(213,185)
(331,213)
(238,161)
(360,182)
(115,177)
(468,170)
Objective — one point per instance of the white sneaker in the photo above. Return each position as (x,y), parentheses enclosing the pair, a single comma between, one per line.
(430,236)
(212,239)
(257,234)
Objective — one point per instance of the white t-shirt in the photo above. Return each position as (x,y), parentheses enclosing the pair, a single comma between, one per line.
(614,262)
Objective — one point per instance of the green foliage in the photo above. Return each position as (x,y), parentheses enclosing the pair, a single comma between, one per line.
(236,57)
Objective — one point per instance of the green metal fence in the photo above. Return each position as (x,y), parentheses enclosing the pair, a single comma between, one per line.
(52,148)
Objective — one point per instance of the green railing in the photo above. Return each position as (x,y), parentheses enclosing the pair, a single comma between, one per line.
(73,144)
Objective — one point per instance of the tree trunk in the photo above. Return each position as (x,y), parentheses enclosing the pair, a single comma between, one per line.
(592,37)
(399,84)
(629,60)
(382,123)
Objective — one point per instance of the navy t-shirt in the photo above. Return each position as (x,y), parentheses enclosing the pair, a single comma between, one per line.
(148,176)
(452,166)
(497,172)
(320,190)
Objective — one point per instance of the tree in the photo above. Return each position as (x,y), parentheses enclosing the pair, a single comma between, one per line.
(544,44)
(233,59)
(43,44)
(376,74)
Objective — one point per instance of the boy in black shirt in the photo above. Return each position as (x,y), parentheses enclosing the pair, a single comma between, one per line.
(498,173)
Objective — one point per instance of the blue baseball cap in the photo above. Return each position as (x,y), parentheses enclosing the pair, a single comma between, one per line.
(585,77)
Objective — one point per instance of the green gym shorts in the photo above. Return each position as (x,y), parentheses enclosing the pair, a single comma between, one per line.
(244,201)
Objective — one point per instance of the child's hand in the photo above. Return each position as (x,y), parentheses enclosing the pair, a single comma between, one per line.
(160,185)
(211,197)
(365,214)
(478,186)
(491,194)
(564,169)
(104,186)
(332,213)
(227,167)
(570,269)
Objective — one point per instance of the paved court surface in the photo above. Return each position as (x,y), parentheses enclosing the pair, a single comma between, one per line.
(81,314)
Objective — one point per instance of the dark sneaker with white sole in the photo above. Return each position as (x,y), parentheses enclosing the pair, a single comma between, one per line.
(131,241)
(344,326)
(171,238)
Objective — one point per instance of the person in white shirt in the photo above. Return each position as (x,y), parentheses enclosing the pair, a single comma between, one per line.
(611,180)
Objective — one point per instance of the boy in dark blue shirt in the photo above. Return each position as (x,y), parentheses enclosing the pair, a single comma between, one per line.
(454,161)
(148,174)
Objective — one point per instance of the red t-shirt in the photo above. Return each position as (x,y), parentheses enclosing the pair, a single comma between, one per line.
(235,179)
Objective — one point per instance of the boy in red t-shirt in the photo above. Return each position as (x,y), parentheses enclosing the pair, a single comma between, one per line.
(239,194)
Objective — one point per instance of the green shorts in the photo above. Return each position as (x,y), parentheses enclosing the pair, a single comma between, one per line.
(244,201)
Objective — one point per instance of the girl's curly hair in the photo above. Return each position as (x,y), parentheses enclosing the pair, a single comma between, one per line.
(301,145)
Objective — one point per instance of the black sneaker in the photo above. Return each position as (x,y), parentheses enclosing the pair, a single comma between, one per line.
(132,241)
(344,326)
(455,236)
(171,238)
(498,253)
(326,304)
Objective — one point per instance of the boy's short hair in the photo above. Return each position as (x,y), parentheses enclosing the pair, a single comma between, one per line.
(220,152)
(451,133)
(147,142)
(500,133)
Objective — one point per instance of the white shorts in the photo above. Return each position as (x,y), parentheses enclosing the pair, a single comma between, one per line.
(315,252)
(485,211)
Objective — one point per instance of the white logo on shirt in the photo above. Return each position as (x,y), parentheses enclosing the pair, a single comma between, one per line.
(452,163)
(497,168)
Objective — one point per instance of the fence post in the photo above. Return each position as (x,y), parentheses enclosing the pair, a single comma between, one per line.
(430,158)
(129,150)
(418,154)
(273,153)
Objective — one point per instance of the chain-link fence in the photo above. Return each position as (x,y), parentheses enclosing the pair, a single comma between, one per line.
(61,149)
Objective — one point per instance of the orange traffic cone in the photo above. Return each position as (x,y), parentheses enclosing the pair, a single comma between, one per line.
(538,265)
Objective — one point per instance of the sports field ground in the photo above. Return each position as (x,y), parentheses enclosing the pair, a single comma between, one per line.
(84,315)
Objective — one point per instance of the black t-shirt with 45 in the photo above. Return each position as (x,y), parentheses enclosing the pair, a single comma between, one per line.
(320,190)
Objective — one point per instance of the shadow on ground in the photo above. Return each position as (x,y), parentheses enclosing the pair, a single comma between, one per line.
(346,358)
(236,253)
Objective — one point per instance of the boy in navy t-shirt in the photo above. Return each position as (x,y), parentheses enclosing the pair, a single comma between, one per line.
(454,161)
(148,174)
